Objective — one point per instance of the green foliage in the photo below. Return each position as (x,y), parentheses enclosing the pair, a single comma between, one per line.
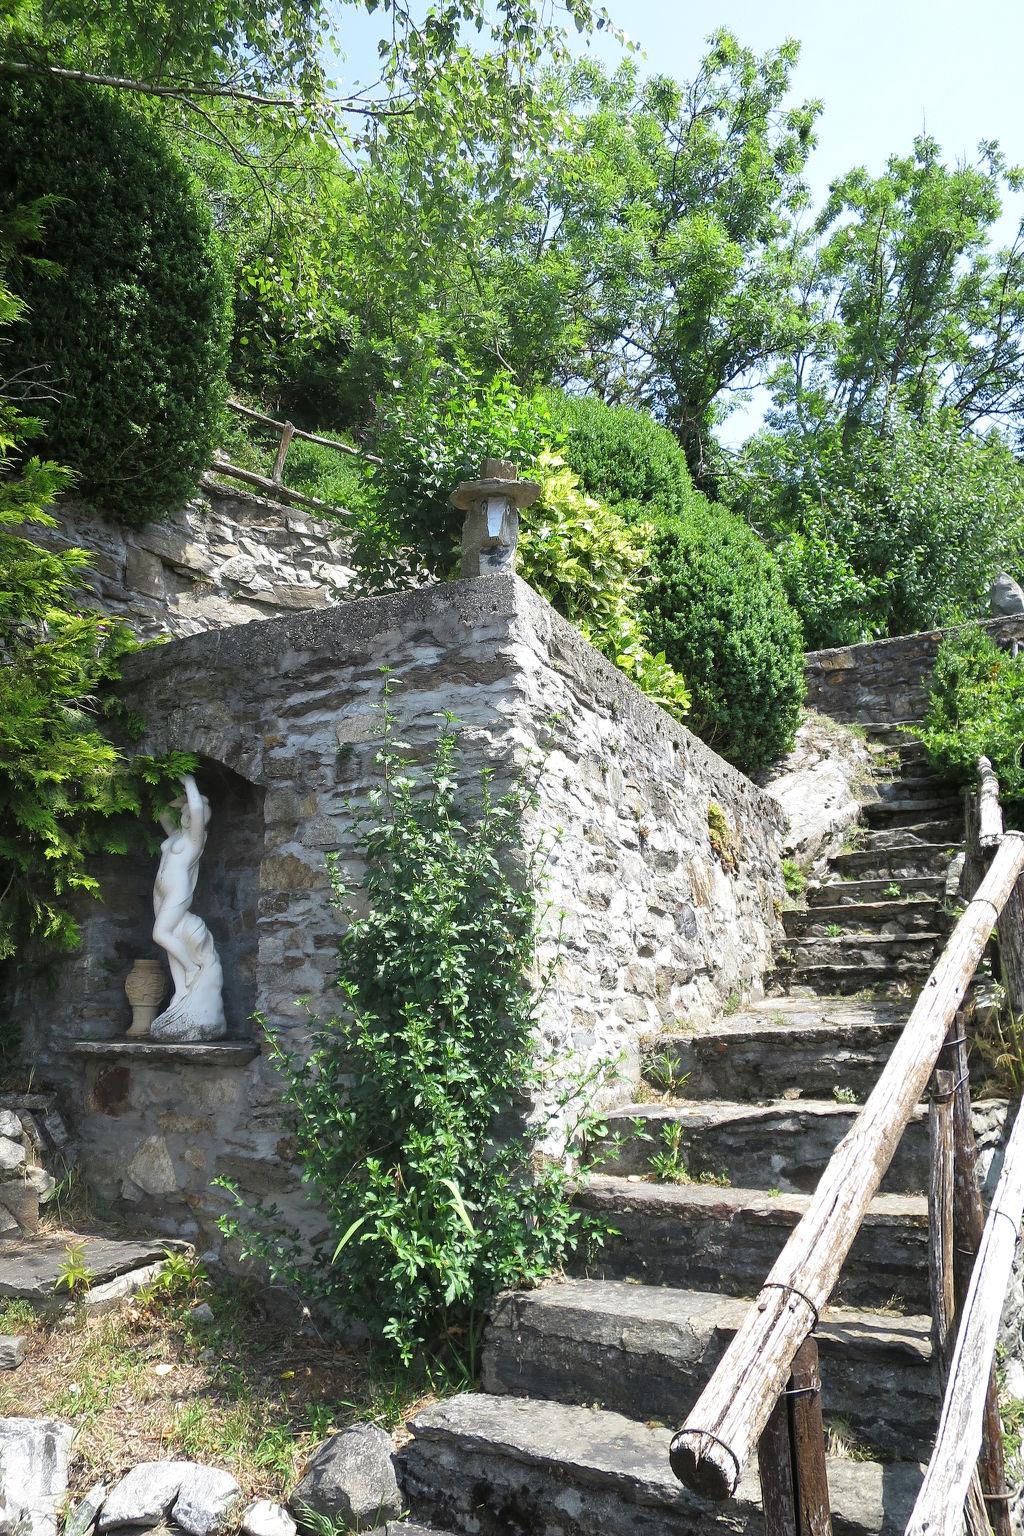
(431,436)
(976,709)
(903,529)
(589,565)
(623,457)
(409,1108)
(66,792)
(715,606)
(74,1274)
(180,1281)
(794,878)
(122,343)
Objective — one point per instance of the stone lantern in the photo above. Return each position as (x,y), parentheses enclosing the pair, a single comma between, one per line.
(491,529)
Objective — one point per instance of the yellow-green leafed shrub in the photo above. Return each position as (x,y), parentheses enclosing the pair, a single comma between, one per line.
(579,554)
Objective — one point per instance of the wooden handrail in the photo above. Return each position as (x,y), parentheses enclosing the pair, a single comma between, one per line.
(222,466)
(711,1450)
(293,431)
(940,1502)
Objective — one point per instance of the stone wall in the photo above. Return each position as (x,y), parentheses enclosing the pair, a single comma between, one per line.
(886,680)
(225,558)
(657,928)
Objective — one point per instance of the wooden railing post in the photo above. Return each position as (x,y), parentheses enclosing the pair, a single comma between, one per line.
(940,1501)
(942,1262)
(791,1455)
(968,1227)
(287,433)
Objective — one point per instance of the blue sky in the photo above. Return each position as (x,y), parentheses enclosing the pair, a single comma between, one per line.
(885,70)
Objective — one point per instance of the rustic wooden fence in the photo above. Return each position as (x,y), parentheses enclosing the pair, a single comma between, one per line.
(271,484)
(765,1393)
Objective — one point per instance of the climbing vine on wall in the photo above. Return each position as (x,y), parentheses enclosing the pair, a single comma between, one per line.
(410,1107)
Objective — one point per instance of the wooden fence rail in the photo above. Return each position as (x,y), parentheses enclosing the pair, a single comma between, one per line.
(272,483)
(718,1438)
(940,1502)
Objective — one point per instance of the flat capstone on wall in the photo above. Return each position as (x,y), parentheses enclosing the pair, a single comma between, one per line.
(661,924)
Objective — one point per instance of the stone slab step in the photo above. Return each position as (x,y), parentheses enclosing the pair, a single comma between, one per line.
(834,893)
(761,1055)
(701,1237)
(30,1266)
(892,917)
(859,981)
(900,954)
(407,1528)
(907,786)
(493,1466)
(948,831)
(897,862)
(784,1145)
(646,1351)
(888,731)
(912,810)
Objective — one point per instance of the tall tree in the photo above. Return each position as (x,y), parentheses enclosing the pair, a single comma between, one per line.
(907,302)
(650,256)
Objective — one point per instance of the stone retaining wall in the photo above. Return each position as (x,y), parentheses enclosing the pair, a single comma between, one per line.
(886,680)
(658,926)
(224,558)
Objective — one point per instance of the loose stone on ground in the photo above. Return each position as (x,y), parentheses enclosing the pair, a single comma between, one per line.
(351,1478)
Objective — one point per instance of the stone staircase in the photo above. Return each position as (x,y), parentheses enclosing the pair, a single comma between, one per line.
(585,1379)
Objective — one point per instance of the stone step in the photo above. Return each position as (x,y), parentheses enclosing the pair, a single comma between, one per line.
(949,832)
(783,1145)
(910,810)
(888,732)
(834,893)
(646,1351)
(892,917)
(30,1266)
(898,954)
(908,786)
(494,1466)
(823,1046)
(901,861)
(700,1237)
(855,981)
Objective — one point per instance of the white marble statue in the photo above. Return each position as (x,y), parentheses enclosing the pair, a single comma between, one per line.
(196,1011)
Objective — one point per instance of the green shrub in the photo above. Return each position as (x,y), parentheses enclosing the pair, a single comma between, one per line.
(976,709)
(579,554)
(409,1109)
(66,791)
(430,439)
(623,457)
(128,331)
(715,606)
(891,532)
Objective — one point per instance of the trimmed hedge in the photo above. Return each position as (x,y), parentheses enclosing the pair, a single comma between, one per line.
(130,331)
(623,457)
(716,606)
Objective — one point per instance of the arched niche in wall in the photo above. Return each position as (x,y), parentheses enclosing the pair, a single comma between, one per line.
(227,893)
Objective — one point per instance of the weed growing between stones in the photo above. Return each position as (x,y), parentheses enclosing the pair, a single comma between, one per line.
(412,1109)
(794,878)
(723,838)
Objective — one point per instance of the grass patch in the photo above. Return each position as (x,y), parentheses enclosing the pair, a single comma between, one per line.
(246,1391)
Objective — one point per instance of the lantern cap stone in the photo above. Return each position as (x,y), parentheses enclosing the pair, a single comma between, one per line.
(498,477)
